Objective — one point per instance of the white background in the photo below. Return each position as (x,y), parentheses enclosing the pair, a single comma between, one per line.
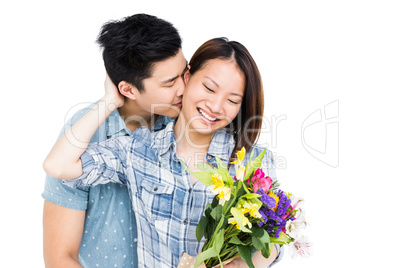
(310,54)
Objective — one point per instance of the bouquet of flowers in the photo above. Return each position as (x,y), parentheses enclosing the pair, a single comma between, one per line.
(250,213)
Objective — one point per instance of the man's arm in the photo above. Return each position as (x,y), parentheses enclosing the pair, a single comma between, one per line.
(62,233)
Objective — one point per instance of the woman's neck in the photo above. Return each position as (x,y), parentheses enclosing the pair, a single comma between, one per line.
(192,146)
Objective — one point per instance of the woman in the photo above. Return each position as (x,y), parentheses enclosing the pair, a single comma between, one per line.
(223,95)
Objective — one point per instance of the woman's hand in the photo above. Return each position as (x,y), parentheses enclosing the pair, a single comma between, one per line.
(236,263)
(112,94)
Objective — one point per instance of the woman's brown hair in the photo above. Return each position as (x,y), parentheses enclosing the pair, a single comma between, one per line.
(246,127)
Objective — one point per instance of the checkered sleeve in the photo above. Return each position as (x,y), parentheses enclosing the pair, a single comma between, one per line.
(103,162)
(268,166)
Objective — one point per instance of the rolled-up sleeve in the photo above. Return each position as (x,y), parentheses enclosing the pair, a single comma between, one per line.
(268,166)
(103,162)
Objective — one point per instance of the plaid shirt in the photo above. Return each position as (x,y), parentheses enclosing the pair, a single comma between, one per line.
(168,206)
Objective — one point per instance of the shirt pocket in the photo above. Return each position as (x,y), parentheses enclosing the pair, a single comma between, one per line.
(157,199)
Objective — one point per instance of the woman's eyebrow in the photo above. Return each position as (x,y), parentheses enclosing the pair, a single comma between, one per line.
(213,81)
(217,85)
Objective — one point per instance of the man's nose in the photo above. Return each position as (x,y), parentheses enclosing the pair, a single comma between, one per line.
(181,87)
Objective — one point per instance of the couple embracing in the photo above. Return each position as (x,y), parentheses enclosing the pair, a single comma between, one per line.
(117,194)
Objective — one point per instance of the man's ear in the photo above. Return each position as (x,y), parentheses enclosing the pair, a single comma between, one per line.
(128,90)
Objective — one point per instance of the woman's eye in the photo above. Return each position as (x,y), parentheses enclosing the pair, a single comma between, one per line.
(208,88)
(235,102)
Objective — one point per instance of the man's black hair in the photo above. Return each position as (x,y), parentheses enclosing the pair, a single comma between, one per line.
(132,46)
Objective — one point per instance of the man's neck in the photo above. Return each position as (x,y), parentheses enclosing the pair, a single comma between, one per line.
(135,117)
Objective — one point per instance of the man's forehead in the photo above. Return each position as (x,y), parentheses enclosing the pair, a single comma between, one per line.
(169,68)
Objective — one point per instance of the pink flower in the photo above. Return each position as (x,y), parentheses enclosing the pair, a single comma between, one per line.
(259,180)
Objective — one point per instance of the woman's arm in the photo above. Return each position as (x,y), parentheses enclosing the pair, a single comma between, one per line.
(63,161)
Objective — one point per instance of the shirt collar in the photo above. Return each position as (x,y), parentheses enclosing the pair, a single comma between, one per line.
(222,146)
(222,143)
(161,123)
(115,124)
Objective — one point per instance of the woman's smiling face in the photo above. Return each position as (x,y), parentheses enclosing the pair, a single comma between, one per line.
(213,96)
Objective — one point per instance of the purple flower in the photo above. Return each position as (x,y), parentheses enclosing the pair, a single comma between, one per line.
(266,199)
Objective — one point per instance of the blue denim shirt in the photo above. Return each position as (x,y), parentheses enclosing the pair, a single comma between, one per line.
(110,230)
(167,205)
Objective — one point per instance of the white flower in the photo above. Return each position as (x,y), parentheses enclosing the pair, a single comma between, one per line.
(293,228)
(301,247)
(297,202)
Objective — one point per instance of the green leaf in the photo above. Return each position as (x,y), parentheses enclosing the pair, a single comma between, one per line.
(220,163)
(254,164)
(266,251)
(238,215)
(219,239)
(235,240)
(204,177)
(215,202)
(261,234)
(223,171)
(201,227)
(244,252)
(257,231)
(257,243)
(282,239)
(261,240)
(205,168)
(251,196)
(216,213)
(207,254)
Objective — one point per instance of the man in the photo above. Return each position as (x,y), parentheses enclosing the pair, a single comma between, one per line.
(94,227)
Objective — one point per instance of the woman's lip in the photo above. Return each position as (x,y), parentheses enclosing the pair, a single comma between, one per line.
(212,116)
(206,119)
(177,104)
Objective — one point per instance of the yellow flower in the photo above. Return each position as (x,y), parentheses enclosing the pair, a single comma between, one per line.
(252,209)
(218,183)
(224,195)
(244,219)
(234,222)
(240,169)
(240,154)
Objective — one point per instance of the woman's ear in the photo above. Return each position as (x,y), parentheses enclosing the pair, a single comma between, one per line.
(187,74)
(127,90)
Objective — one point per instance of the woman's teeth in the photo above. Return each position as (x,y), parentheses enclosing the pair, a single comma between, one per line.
(207,116)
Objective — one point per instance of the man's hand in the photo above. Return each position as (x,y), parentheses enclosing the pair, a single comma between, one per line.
(112,94)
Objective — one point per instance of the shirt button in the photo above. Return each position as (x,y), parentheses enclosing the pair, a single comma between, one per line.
(190,190)
(209,157)
(155,189)
(185,222)
(135,240)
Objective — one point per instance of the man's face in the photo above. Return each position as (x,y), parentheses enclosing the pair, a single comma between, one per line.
(164,89)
